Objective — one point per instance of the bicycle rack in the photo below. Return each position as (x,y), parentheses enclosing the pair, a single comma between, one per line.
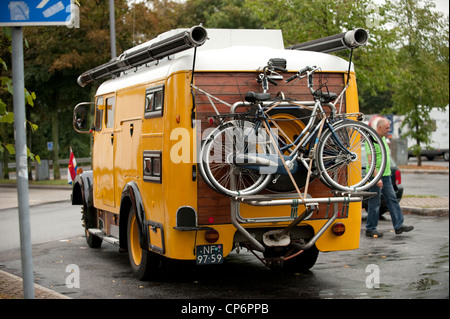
(292,200)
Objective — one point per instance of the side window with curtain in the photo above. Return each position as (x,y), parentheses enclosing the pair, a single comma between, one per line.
(154,102)
(109,115)
(99,107)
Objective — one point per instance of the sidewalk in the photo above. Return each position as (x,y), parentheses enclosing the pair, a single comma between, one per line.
(11,287)
(428,206)
(37,195)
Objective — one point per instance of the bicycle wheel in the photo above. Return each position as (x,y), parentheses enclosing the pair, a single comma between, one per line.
(223,154)
(342,152)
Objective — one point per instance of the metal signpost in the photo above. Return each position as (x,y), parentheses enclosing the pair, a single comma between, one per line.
(16,14)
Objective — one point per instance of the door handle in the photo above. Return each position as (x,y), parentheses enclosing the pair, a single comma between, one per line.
(112,138)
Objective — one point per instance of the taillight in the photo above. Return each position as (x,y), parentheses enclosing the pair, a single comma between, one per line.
(338,229)
(211,236)
(398,177)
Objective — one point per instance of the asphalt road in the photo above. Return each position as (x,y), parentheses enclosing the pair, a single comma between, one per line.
(426,184)
(413,265)
(49,222)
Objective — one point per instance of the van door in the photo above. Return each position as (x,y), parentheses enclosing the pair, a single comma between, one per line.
(103,152)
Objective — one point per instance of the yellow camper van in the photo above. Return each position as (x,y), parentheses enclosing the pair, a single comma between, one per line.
(146,192)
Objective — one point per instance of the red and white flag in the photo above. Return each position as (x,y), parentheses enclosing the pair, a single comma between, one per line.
(72,169)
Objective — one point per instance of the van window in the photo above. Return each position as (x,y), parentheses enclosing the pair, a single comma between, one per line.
(99,106)
(109,118)
(154,102)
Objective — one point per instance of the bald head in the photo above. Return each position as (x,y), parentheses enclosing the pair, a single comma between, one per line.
(383,126)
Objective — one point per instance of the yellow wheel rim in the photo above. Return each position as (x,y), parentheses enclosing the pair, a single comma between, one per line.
(136,251)
(289,130)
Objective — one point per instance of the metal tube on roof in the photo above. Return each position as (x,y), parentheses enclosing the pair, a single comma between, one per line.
(193,37)
(347,40)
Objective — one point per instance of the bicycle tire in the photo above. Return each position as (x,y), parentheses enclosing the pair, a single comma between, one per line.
(201,163)
(219,169)
(341,171)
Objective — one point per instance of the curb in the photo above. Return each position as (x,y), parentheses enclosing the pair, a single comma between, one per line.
(39,291)
(424,171)
(36,186)
(425,211)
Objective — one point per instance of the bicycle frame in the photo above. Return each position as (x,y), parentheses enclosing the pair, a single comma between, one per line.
(308,134)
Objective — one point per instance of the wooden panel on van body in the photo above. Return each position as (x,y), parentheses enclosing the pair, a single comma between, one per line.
(231,87)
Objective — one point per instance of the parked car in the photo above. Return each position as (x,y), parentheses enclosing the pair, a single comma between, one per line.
(396,177)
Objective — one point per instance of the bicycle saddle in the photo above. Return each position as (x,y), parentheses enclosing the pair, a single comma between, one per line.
(254,97)
(326,97)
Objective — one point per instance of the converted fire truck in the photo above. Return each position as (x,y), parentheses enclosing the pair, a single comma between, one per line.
(146,192)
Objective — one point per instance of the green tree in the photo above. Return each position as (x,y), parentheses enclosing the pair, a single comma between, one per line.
(6,103)
(304,20)
(58,55)
(422,80)
(230,14)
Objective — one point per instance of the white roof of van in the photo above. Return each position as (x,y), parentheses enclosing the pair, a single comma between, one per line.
(237,50)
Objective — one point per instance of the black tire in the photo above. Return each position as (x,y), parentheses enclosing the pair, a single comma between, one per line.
(446,156)
(298,264)
(89,221)
(303,262)
(145,265)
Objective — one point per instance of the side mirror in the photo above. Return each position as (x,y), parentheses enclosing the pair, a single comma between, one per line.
(81,117)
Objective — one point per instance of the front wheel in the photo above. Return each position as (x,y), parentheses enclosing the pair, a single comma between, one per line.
(344,157)
(90,221)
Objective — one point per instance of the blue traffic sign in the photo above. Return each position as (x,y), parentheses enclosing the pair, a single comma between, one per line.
(35,12)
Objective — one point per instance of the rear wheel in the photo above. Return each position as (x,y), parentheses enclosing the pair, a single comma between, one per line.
(144,263)
(302,262)
(340,153)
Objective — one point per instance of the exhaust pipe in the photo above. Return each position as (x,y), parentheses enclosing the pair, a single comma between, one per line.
(193,37)
(347,40)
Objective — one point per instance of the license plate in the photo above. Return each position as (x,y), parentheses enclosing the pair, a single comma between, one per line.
(209,254)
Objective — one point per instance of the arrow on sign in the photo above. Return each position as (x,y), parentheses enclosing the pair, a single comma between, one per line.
(42,4)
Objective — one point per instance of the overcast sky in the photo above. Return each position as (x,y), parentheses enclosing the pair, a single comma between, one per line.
(442,5)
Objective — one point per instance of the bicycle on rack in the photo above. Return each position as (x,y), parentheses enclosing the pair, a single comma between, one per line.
(249,149)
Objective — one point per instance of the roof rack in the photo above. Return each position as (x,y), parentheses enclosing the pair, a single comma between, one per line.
(190,38)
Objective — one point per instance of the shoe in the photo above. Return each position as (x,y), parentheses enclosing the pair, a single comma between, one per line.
(373,234)
(403,229)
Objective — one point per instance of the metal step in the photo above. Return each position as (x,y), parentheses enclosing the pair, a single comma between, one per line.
(99,233)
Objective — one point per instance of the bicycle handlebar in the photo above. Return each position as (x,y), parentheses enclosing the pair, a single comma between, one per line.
(276,68)
(302,72)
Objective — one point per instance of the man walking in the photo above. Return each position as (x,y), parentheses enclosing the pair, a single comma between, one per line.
(385,187)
